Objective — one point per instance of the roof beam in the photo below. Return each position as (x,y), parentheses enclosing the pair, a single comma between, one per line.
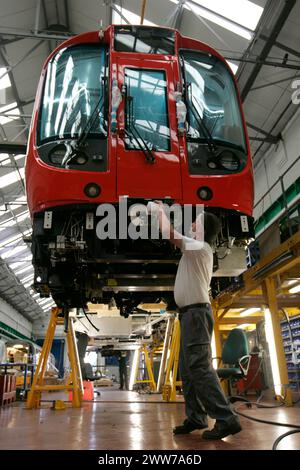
(285,12)
(273,139)
(266,85)
(282,46)
(12,148)
(29,34)
(259,63)
(179,15)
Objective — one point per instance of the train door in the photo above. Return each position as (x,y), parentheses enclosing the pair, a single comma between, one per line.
(147,150)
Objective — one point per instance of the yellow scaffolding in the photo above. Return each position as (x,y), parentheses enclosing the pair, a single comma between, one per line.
(261,286)
(75,379)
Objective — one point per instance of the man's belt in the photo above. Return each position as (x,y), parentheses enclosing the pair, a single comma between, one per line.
(187,307)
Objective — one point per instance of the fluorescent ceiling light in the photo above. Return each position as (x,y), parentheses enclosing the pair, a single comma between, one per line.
(28,284)
(243,12)
(249,311)
(12,177)
(5,109)
(9,253)
(24,270)
(4,78)
(272,352)
(132,18)
(295,290)
(27,278)
(244,325)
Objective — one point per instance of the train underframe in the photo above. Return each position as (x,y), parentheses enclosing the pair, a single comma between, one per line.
(74,266)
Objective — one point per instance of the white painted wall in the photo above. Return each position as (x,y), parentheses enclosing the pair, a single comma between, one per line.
(275,163)
(12,318)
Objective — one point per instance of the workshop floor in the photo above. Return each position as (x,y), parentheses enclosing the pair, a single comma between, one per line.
(127,420)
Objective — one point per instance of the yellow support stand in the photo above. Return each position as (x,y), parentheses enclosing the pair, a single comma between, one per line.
(171,382)
(75,381)
(150,380)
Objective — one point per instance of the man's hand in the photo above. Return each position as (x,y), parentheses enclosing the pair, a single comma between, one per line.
(165,226)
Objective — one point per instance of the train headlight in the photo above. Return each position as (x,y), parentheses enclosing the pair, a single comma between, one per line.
(80,158)
(57,154)
(92,190)
(229,160)
(205,193)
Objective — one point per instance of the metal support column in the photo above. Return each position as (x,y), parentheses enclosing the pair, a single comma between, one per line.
(270,289)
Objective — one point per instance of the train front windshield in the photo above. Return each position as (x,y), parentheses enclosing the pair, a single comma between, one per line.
(213,108)
(74,92)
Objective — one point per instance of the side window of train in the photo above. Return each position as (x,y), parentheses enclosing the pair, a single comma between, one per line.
(147,120)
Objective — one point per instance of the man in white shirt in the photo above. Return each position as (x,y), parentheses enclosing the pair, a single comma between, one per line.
(201,387)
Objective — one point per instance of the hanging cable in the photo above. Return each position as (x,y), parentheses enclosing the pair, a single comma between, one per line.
(86,316)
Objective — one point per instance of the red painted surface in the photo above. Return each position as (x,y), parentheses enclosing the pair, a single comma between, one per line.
(128,173)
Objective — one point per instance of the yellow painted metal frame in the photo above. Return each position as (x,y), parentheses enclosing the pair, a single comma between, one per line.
(171,382)
(75,380)
(260,287)
(144,352)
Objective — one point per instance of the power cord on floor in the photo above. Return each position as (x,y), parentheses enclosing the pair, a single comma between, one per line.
(249,404)
(275,445)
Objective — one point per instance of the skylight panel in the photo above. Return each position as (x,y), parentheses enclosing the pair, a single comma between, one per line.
(243,12)
(4,78)
(233,67)
(131,17)
(14,111)
(224,23)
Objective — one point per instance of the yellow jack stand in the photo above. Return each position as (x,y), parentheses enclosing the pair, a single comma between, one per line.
(150,380)
(171,382)
(75,382)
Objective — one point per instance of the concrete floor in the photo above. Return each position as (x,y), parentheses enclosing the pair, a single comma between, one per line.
(127,420)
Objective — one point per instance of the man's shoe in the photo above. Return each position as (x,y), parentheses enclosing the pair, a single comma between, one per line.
(219,432)
(187,427)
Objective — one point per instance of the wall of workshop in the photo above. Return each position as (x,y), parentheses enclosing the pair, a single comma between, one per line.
(275,162)
(13,319)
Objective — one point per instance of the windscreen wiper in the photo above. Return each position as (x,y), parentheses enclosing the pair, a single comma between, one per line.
(191,107)
(134,133)
(73,149)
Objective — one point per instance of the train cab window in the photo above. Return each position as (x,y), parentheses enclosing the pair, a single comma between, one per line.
(147,120)
(144,40)
(214,116)
(74,94)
